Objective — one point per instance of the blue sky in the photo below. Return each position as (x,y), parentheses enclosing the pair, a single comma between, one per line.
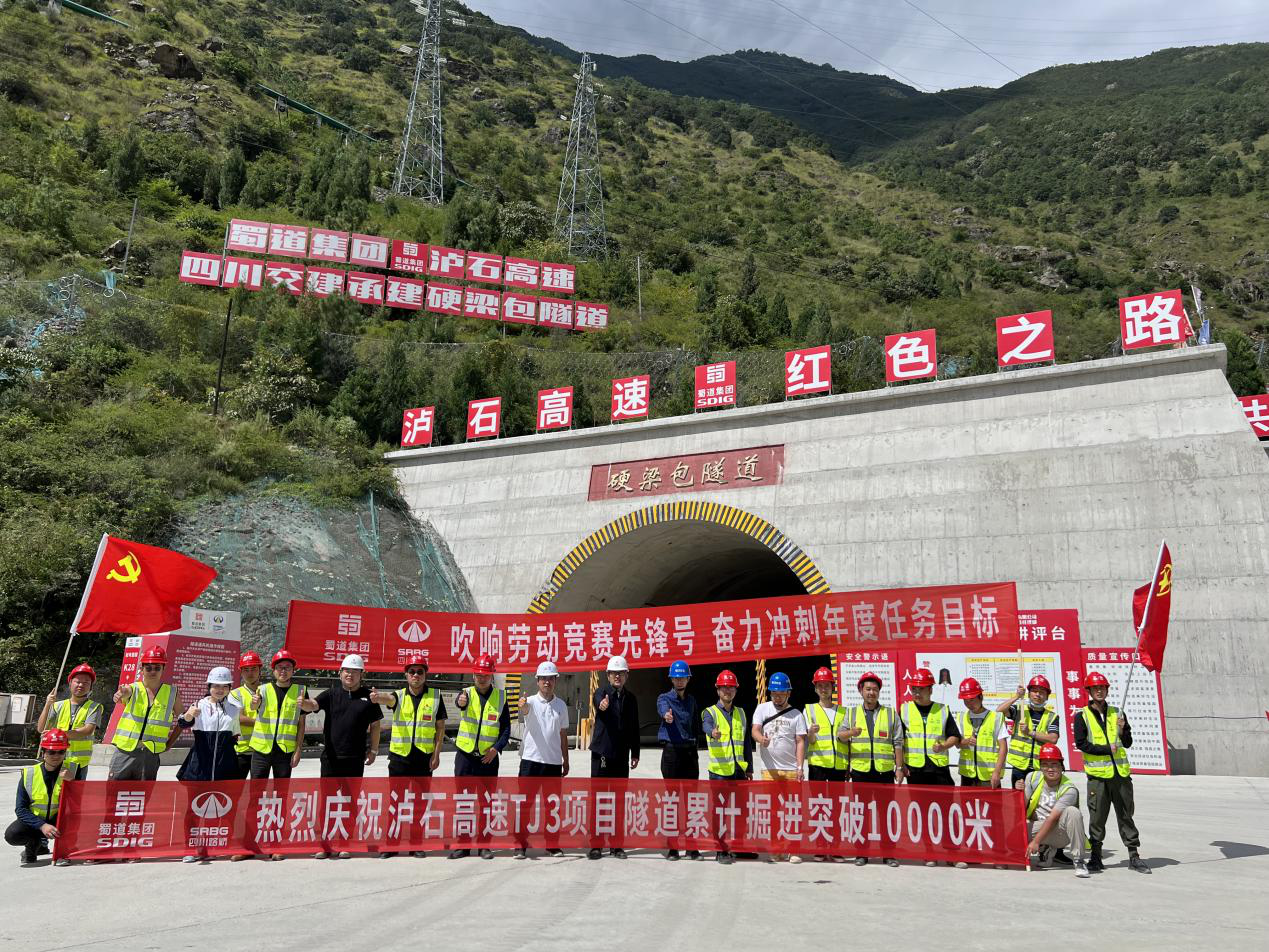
(930,44)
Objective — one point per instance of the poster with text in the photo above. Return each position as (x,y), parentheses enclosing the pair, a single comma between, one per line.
(1144,707)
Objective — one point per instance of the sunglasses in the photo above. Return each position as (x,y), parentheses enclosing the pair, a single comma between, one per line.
(152,667)
(416,671)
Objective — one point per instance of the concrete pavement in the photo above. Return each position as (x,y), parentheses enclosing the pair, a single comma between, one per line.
(1206,838)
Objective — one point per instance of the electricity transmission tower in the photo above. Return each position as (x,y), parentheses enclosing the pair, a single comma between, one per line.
(420,167)
(579,213)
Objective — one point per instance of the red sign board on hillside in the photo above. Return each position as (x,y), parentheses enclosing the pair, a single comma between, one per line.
(1025,339)
(630,398)
(808,371)
(1154,319)
(417,426)
(555,409)
(715,385)
(484,418)
(911,356)
(1256,409)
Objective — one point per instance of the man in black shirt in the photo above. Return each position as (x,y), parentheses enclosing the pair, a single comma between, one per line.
(350,715)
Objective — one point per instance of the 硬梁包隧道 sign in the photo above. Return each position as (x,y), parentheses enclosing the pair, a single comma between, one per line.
(689,473)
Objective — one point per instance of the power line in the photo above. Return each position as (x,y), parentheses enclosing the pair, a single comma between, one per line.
(966,39)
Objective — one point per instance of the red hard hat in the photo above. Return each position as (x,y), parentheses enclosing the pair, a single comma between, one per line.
(726,679)
(414,659)
(970,688)
(250,660)
(54,740)
(1040,681)
(922,678)
(1095,679)
(282,655)
(82,669)
(868,676)
(1049,752)
(155,655)
(821,675)
(485,664)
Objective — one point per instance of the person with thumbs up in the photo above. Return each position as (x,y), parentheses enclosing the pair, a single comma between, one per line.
(727,733)
(614,745)
(677,733)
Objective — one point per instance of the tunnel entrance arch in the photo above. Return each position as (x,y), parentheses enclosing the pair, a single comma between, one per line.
(682,553)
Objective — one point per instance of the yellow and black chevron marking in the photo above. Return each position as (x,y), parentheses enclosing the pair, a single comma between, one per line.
(832,660)
(697,510)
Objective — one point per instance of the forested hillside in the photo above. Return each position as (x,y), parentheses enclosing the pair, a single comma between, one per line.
(751,231)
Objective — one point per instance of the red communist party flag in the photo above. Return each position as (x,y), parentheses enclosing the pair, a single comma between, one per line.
(139,589)
(1151,608)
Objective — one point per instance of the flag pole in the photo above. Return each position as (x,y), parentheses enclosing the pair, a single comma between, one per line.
(83,600)
(1145,616)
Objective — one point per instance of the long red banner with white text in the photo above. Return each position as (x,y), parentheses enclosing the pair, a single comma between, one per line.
(952,617)
(116,820)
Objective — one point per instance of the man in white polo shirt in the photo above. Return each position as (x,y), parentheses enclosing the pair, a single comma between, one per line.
(544,750)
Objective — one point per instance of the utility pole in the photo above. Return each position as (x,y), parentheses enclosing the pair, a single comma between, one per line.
(639,282)
(579,213)
(421,164)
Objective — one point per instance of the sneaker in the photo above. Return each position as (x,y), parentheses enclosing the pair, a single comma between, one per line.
(618,852)
(61,862)
(594,853)
(961,864)
(554,851)
(820,858)
(29,857)
(486,854)
(324,854)
(343,854)
(1095,865)
(839,859)
(1044,857)
(930,862)
(672,855)
(861,860)
(1137,863)
(520,853)
(1061,859)
(239,857)
(694,855)
(891,862)
(795,859)
(459,854)
(387,855)
(275,858)
(726,859)
(419,854)
(189,859)
(1081,869)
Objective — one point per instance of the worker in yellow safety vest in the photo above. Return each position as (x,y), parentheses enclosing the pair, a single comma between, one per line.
(277,735)
(876,742)
(1053,811)
(39,796)
(148,721)
(727,734)
(1034,725)
(828,749)
(929,732)
(1103,736)
(984,739)
(484,729)
(78,716)
(249,672)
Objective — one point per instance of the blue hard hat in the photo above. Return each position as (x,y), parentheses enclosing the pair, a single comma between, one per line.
(679,669)
(779,682)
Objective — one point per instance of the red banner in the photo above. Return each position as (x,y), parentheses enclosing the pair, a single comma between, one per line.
(952,617)
(103,820)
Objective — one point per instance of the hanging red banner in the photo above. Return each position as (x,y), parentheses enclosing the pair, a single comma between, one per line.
(118,820)
(953,617)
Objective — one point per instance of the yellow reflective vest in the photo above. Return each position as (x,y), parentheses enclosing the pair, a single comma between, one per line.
(81,749)
(478,723)
(873,750)
(144,721)
(414,722)
(1104,766)
(980,762)
(44,802)
(277,726)
(921,733)
(1023,748)
(727,753)
(826,750)
(242,694)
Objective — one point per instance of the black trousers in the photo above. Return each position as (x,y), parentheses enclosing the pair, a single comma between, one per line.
(417,763)
(816,772)
(532,768)
(19,834)
(974,782)
(244,765)
(333,766)
(469,765)
(276,760)
(872,776)
(931,776)
(1103,793)
(618,766)
(680,763)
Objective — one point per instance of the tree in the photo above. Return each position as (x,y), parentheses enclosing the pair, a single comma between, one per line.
(777,320)
(748,278)
(127,165)
(1242,369)
(707,292)
(233,176)
(277,385)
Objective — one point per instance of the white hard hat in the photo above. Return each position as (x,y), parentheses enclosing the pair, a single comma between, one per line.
(219,676)
(618,663)
(547,669)
(353,662)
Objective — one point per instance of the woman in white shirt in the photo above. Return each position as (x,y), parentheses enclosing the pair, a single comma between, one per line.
(214,719)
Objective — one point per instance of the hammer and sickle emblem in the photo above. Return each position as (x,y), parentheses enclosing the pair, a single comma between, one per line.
(1165,580)
(131,570)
